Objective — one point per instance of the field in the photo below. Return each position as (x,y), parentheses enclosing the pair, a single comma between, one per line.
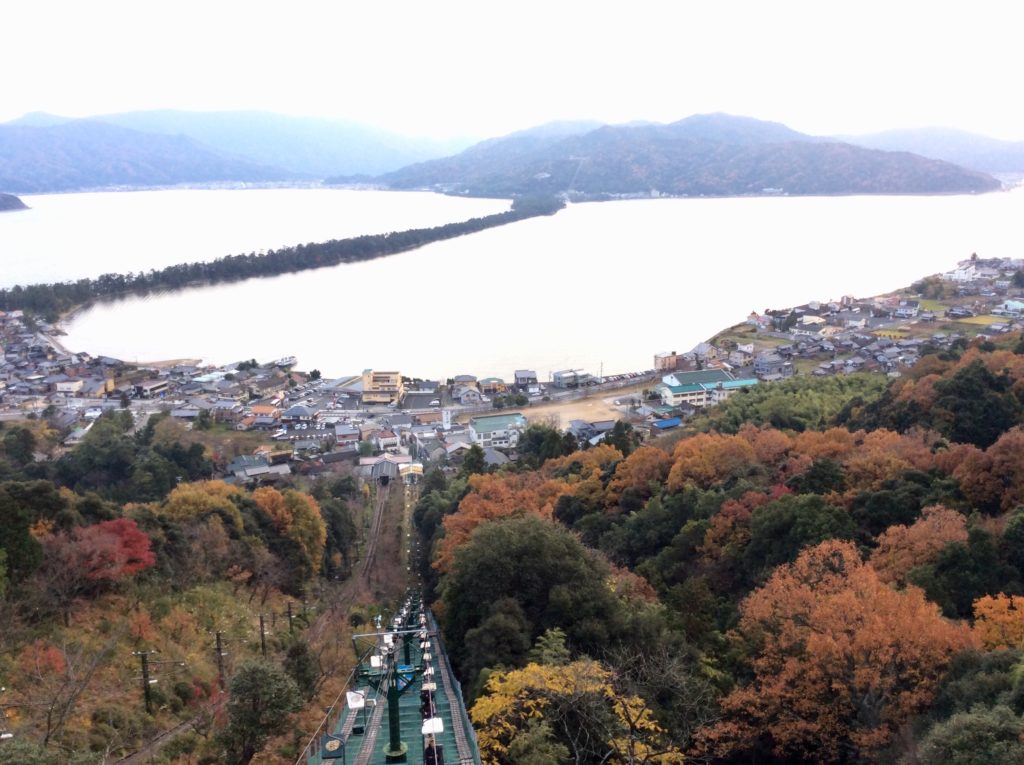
(588,409)
(982,321)
(227,442)
(559,413)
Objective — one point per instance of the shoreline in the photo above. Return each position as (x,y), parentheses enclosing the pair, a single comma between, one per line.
(1006,185)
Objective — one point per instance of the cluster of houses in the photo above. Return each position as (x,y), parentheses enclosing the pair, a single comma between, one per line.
(379,420)
(882,334)
(390,425)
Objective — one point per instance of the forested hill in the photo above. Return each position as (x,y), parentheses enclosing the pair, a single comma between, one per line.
(42,152)
(80,154)
(709,155)
(846,589)
(978,152)
(11,202)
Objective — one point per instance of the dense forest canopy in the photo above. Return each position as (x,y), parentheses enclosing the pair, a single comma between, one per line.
(125,547)
(816,571)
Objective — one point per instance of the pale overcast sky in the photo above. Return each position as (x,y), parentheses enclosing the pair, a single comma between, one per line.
(485,68)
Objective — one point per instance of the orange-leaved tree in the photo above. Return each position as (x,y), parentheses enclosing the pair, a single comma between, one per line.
(840,660)
(1007,455)
(709,458)
(999,621)
(296,516)
(494,496)
(972,468)
(637,472)
(770,445)
(901,548)
(582,463)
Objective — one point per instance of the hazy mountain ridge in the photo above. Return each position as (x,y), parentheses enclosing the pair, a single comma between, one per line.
(708,154)
(715,155)
(44,152)
(978,152)
(82,154)
(312,146)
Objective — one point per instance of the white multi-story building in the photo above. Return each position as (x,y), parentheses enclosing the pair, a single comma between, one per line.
(497,429)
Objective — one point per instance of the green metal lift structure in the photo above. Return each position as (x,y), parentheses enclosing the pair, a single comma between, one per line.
(402,703)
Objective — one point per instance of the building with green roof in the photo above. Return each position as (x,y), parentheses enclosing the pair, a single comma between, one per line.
(497,429)
(700,388)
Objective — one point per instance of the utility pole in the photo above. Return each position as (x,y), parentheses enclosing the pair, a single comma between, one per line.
(396,749)
(290,628)
(146,682)
(220,661)
(263,637)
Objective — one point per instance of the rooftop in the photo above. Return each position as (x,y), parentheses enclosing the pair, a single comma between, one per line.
(698,377)
(497,422)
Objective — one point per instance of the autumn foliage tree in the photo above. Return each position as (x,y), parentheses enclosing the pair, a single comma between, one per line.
(709,458)
(87,558)
(839,659)
(999,621)
(299,532)
(580,709)
(201,498)
(492,497)
(901,548)
(1007,466)
(645,468)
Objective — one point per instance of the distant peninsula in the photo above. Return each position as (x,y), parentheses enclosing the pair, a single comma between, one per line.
(11,202)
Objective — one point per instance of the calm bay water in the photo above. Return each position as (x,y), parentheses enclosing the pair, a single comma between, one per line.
(602,284)
(70,236)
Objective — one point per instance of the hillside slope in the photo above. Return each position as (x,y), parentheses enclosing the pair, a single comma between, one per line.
(307,145)
(711,155)
(82,154)
(978,152)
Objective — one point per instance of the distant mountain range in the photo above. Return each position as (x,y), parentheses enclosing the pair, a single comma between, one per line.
(86,154)
(978,152)
(703,155)
(710,155)
(42,152)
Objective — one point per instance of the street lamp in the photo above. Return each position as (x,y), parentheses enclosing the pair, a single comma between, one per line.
(4,733)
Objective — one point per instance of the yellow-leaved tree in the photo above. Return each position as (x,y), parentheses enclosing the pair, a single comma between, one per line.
(201,498)
(555,713)
(296,516)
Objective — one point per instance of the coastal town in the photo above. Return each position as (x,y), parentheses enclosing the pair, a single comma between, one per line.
(390,424)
